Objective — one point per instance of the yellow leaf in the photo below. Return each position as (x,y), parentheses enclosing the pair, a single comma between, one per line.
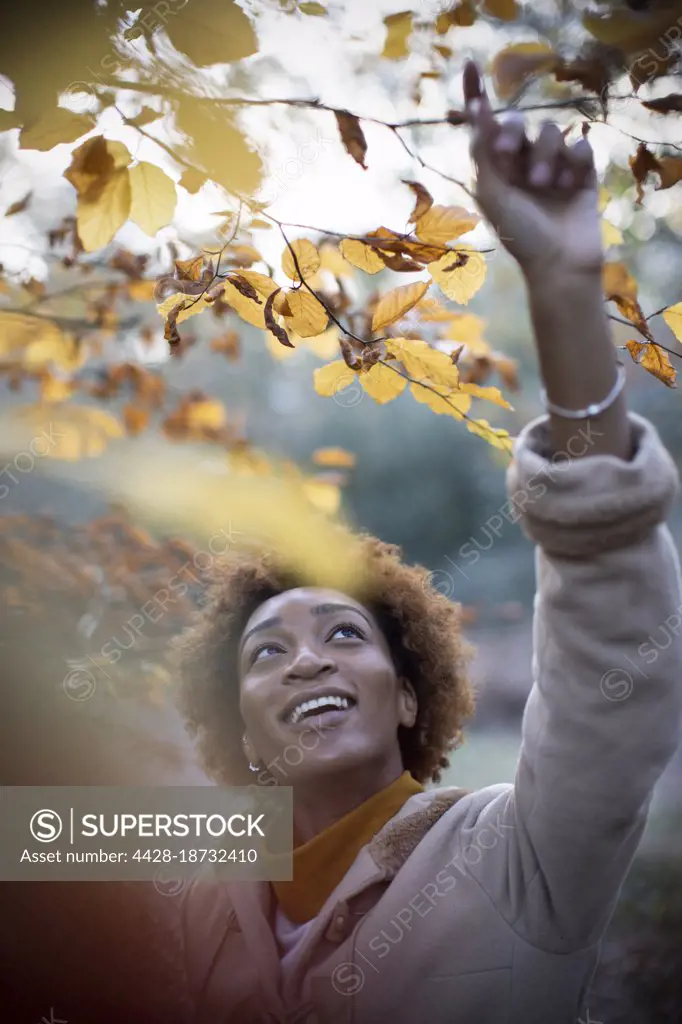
(248,309)
(382,383)
(53,389)
(467,329)
(308,316)
(617,280)
(100,215)
(312,8)
(505,10)
(442,399)
(332,260)
(490,394)
(215,145)
(442,224)
(432,311)
(334,458)
(263,284)
(79,431)
(17,330)
(141,291)
(153,197)
(276,349)
(610,234)
(208,413)
(192,180)
(459,274)
(495,436)
(515,63)
(657,362)
(361,256)
(396,303)
(307,256)
(323,495)
(193,304)
(398,31)
(423,362)
(332,378)
(673,318)
(325,345)
(94,162)
(54,127)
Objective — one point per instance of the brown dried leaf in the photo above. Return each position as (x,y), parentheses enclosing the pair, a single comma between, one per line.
(654,360)
(670,104)
(350,357)
(352,136)
(272,324)
(19,206)
(245,287)
(424,200)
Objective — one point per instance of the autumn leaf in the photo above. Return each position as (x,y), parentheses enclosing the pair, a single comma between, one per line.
(654,359)
(135,419)
(82,431)
(670,104)
(153,197)
(382,383)
(441,399)
(245,288)
(308,316)
(210,31)
(215,144)
(311,7)
(352,136)
(205,414)
(495,436)
(93,164)
(462,14)
(190,305)
(459,274)
(272,325)
(332,260)
(422,362)
(673,317)
(398,31)
(361,256)
(55,389)
(55,127)
(141,291)
(610,234)
(505,10)
(192,180)
(397,303)
(329,380)
(19,206)
(620,287)
(100,215)
(423,200)
(334,458)
(303,252)
(513,65)
(442,224)
(490,394)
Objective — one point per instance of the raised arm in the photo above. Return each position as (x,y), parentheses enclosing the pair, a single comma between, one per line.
(603,717)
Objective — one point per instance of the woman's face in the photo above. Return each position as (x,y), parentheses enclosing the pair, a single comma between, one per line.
(318,688)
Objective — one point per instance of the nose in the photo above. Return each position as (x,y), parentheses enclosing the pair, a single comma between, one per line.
(307,664)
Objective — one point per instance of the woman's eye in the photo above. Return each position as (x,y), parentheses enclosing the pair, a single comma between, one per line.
(347,631)
(265,649)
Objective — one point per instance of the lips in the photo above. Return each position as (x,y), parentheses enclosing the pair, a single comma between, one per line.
(313,704)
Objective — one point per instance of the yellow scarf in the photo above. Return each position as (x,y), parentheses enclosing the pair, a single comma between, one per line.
(321,863)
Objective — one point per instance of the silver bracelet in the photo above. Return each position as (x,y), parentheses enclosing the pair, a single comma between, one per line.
(591,410)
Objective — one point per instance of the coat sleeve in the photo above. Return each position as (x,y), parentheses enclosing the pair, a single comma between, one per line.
(602,719)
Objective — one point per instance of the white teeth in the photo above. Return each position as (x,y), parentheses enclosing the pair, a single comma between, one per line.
(318,702)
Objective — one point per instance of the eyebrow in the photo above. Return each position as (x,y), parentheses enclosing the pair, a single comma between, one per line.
(318,609)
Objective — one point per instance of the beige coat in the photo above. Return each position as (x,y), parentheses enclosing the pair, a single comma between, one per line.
(488,907)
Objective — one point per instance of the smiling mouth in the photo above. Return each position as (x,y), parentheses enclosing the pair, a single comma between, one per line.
(319,706)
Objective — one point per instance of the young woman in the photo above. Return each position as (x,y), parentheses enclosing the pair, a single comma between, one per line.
(412,904)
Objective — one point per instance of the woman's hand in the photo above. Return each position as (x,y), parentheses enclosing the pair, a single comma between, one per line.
(541,197)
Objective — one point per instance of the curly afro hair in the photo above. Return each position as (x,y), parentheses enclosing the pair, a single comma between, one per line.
(422,628)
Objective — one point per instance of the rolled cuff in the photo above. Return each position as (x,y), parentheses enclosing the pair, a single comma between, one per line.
(578,507)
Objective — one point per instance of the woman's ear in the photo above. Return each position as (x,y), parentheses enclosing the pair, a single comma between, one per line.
(407,710)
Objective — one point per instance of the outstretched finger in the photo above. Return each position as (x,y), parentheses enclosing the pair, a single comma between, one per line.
(479,111)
